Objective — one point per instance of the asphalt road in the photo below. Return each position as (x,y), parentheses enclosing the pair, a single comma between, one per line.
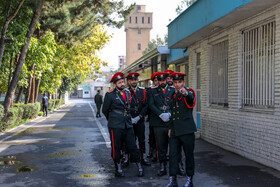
(72,148)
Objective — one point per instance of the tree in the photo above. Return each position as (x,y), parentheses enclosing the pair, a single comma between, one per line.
(4,40)
(18,69)
(184,4)
(155,43)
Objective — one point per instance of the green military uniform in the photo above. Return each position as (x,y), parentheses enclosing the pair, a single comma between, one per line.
(159,103)
(138,107)
(117,112)
(98,101)
(182,132)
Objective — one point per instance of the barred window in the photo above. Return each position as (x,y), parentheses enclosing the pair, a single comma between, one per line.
(219,73)
(258,56)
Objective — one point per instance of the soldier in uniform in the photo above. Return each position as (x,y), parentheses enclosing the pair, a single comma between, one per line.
(181,130)
(152,139)
(116,109)
(159,104)
(138,110)
(98,102)
(169,79)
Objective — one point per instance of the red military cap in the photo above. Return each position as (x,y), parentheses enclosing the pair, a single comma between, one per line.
(154,75)
(178,76)
(169,71)
(132,75)
(117,76)
(162,76)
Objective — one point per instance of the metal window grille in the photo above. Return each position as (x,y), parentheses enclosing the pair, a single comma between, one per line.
(219,73)
(258,56)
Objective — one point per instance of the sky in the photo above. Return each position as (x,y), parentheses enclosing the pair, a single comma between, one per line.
(163,12)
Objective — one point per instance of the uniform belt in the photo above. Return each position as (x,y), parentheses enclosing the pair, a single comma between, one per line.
(164,107)
(124,112)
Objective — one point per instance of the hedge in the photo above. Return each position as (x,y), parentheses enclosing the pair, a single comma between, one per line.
(21,112)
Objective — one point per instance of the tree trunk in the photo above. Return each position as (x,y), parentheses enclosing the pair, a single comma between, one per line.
(32,93)
(37,89)
(24,49)
(5,28)
(19,94)
(10,69)
(28,93)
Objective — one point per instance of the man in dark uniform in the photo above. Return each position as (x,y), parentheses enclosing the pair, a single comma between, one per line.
(98,102)
(159,104)
(169,79)
(152,139)
(45,103)
(116,109)
(138,110)
(182,130)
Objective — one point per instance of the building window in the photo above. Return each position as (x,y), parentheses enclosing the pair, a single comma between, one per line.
(219,74)
(139,46)
(198,61)
(143,19)
(258,60)
(130,19)
(149,20)
(135,19)
(139,31)
(138,7)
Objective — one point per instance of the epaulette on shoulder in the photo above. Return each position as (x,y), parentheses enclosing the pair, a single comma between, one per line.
(126,89)
(171,86)
(153,86)
(141,88)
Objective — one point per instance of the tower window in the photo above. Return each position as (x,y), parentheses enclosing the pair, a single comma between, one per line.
(135,19)
(130,19)
(139,31)
(142,19)
(149,20)
(139,46)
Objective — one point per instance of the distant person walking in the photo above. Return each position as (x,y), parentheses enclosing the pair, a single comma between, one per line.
(98,102)
(45,102)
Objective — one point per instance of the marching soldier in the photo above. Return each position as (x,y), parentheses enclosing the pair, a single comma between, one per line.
(169,79)
(116,109)
(181,130)
(159,104)
(152,139)
(138,110)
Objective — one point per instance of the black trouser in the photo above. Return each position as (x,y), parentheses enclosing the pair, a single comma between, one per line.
(98,109)
(45,109)
(139,131)
(118,136)
(161,135)
(152,139)
(175,143)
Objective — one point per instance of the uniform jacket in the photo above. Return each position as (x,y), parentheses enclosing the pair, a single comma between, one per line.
(116,109)
(159,103)
(98,99)
(139,103)
(181,116)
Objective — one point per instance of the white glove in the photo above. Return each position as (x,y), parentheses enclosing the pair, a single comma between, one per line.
(165,117)
(135,120)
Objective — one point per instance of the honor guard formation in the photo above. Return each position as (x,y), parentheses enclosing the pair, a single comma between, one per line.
(167,105)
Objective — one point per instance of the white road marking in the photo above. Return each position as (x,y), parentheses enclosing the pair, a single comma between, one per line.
(102,130)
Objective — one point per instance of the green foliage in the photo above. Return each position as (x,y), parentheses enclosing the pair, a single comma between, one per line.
(14,116)
(155,43)
(30,110)
(184,4)
(1,112)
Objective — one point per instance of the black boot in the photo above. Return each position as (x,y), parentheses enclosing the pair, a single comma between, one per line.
(154,159)
(172,182)
(181,169)
(144,161)
(126,160)
(118,172)
(162,170)
(140,169)
(189,182)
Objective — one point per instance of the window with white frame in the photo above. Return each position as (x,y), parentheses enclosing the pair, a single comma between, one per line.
(219,74)
(258,61)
